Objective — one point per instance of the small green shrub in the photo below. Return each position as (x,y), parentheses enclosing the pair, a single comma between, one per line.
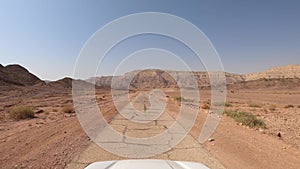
(21,112)
(68,109)
(246,118)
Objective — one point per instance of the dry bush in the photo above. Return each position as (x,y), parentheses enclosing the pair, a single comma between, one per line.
(1,118)
(272,107)
(246,118)
(68,109)
(252,104)
(205,106)
(21,112)
(288,106)
(182,99)
(227,104)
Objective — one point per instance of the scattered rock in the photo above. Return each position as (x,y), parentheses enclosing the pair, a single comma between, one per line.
(39,112)
(39,122)
(211,139)
(261,130)
(279,135)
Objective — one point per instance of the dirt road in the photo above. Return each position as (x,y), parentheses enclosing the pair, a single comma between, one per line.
(157,139)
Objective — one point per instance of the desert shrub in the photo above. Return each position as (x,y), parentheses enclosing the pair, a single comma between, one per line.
(288,106)
(21,112)
(178,98)
(145,107)
(183,99)
(227,104)
(246,118)
(272,107)
(252,104)
(205,106)
(68,109)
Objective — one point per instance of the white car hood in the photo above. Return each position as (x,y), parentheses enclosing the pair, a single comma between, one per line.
(146,164)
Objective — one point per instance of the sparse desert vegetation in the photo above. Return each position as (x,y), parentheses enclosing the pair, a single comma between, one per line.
(218,104)
(182,99)
(272,107)
(69,109)
(254,104)
(21,112)
(205,106)
(246,118)
(227,104)
(288,106)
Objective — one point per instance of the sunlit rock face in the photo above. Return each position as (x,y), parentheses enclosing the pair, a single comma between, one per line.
(290,71)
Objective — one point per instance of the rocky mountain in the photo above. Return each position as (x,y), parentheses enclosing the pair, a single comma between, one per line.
(289,71)
(66,83)
(17,75)
(155,78)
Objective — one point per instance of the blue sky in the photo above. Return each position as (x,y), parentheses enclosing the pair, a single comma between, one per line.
(47,36)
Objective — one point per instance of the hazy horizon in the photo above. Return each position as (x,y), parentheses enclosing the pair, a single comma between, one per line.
(47,36)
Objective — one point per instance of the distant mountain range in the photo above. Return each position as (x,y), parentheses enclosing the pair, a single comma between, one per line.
(154,78)
(13,76)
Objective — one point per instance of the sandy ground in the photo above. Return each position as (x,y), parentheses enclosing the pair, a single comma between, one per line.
(56,140)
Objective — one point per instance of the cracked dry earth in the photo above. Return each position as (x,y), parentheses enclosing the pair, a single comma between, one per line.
(155,135)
